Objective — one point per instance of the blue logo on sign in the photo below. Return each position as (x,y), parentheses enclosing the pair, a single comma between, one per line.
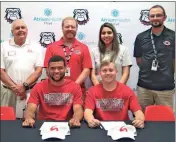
(115,13)
(81,36)
(48,12)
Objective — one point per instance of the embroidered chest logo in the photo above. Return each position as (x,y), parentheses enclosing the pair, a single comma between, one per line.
(166,43)
(58,98)
(110,104)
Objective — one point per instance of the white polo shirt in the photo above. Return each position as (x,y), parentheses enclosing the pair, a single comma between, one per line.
(20,62)
(123,59)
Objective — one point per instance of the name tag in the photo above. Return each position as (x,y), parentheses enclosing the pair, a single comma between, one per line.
(11,53)
(67,73)
(154,65)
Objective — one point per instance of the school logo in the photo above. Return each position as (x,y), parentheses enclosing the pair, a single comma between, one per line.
(144,18)
(12,14)
(119,36)
(166,43)
(81,15)
(46,38)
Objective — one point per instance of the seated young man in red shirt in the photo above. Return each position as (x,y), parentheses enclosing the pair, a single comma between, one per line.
(58,98)
(111,100)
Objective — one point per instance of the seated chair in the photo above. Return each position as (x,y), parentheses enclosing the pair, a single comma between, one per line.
(7,113)
(159,113)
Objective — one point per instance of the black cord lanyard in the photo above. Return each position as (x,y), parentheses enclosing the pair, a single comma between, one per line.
(67,56)
(153,45)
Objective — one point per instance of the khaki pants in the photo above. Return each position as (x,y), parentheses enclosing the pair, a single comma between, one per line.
(8,98)
(148,97)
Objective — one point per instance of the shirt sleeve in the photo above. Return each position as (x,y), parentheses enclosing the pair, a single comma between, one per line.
(2,57)
(48,55)
(133,102)
(126,61)
(137,48)
(77,95)
(90,101)
(34,96)
(87,62)
(39,60)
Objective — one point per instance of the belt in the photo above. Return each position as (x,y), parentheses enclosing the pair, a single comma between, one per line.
(27,89)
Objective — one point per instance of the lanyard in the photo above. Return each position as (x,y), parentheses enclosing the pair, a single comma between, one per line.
(153,45)
(67,56)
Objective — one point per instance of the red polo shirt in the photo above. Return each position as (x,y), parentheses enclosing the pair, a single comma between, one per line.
(80,57)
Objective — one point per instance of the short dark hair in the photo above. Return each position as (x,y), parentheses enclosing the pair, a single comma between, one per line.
(159,6)
(56,58)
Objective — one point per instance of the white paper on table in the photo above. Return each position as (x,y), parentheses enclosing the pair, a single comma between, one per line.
(111,124)
(60,126)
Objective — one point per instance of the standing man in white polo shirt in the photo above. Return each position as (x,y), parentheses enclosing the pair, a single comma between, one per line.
(21,66)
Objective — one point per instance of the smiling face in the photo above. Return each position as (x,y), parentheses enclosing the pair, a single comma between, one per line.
(108,73)
(107,36)
(56,71)
(19,30)
(69,29)
(156,17)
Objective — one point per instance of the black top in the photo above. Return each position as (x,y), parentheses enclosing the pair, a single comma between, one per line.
(11,131)
(163,78)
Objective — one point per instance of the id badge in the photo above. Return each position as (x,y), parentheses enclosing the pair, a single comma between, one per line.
(154,65)
(67,72)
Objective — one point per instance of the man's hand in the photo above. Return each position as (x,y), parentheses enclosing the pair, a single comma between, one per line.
(28,122)
(93,123)
(74,122)
(22,96)
(18,89)
(138,123)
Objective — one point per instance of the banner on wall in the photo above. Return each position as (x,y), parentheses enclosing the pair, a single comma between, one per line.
(44,22)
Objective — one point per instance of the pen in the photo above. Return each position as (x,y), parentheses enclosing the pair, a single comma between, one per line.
(101,126)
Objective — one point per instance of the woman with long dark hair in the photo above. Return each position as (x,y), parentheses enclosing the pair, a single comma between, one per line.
(110,49)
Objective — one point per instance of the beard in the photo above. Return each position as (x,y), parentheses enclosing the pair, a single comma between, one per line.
(156,24)
(62,75)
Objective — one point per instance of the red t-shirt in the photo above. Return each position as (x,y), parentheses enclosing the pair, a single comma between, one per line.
(111,105)
(80,57)
(56,102)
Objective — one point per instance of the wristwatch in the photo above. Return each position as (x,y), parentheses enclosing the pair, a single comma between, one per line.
(26,86)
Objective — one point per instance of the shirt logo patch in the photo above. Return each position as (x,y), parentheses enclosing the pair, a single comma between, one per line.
(110,104)
(166,42)
(58,98)
(77,52)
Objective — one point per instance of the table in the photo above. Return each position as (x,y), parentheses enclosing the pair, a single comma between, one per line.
(12,131)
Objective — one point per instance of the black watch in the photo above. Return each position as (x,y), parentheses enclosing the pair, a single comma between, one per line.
(26,86)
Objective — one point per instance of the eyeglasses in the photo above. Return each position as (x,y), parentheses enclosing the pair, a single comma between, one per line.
(156,15)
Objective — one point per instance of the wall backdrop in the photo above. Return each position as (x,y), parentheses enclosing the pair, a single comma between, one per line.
(44,21)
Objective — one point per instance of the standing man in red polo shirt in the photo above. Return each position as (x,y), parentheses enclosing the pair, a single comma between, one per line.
(75,53)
